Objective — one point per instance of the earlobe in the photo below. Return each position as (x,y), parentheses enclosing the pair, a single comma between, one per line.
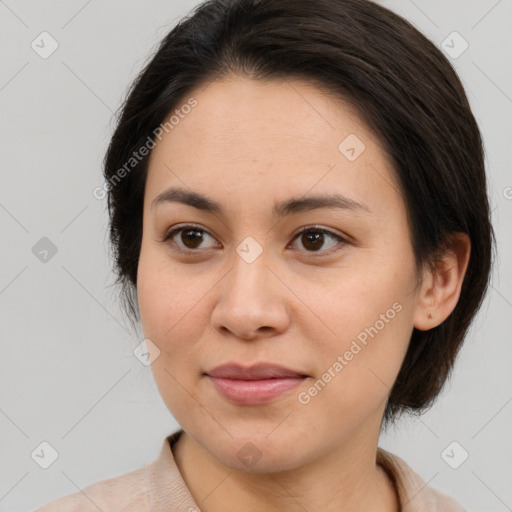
(423,317)
(440,288)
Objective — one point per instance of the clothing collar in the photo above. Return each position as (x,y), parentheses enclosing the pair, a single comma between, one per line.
(170,492)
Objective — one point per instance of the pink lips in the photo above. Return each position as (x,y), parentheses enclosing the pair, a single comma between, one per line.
(253,385)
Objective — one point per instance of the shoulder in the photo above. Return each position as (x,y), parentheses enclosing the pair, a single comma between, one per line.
(156,486)
(414,494)
(124,493)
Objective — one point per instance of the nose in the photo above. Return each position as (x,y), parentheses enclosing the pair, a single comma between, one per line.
(252,301)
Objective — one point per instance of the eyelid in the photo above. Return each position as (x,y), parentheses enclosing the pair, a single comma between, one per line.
(183,227)
(342,239)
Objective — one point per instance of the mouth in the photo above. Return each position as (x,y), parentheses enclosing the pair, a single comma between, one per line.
(255,385)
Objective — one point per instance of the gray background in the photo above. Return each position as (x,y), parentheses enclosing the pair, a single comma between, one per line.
(67,371)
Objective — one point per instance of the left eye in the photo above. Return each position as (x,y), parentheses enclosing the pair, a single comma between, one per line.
(312,238)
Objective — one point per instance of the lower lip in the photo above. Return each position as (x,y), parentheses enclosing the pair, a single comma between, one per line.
(254,392)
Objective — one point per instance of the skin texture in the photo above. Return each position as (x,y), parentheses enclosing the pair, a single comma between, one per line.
(248,144)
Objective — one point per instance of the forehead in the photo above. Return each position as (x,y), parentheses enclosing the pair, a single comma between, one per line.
(285,137)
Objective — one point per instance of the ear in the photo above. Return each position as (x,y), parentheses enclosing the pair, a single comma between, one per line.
(440,288)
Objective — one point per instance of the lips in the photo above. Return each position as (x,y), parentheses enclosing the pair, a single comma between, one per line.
(254,385)
(255,372)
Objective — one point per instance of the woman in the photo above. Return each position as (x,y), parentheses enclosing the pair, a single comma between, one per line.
(299,220)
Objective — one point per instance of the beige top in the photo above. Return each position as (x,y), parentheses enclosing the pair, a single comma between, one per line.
(159,487)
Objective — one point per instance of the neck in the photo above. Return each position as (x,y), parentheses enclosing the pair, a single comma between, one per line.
(347,479)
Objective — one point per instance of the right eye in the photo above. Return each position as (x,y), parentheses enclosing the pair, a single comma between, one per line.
(190,238)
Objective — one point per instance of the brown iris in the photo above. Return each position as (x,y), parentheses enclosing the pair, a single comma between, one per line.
(313,240)
(194,237)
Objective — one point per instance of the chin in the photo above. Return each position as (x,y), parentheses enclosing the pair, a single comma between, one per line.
(256,453)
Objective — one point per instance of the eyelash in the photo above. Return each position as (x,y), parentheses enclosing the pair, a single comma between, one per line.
(314,229)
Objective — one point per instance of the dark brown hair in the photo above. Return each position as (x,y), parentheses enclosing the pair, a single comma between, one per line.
(403,87)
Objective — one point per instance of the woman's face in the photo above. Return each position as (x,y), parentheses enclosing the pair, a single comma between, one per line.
(243,286)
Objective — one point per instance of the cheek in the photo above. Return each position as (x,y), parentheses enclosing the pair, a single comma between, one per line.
(169,300)
(374,326)
(173,305)
(171,318)
(356,376)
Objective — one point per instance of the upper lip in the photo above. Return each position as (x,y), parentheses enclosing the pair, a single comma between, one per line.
(254,372)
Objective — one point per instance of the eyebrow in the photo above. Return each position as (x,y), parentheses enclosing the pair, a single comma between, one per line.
(280,210)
